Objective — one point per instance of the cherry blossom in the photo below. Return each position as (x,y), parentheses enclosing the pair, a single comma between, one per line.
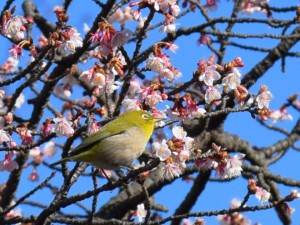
(212,94)
(72,40)
(210,75)
(14,27)
(262,195)
(232,80)
(11,65)
(63,127)
(154,63)
(93,78)
(280,115)
(263,98)
(170,171)
(8,164)
(15,51)
(131,104)
(49,149)
(121,37)
(161,150)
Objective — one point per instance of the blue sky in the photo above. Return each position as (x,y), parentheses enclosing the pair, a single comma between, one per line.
(217,195)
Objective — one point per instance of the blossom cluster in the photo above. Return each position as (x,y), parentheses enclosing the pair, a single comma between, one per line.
(174,153)
(225,165)
(168,8)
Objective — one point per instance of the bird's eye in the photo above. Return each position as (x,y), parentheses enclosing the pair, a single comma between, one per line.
(145,117)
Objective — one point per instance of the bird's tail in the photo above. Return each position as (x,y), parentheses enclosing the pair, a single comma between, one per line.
(60,161)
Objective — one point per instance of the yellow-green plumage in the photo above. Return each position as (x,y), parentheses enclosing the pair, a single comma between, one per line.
(118,143)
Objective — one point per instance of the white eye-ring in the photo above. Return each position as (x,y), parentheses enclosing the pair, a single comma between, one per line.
(145,117)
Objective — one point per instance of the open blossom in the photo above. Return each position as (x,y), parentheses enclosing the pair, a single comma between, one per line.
(212,94)
(170,171)
(279,115)
(92,78)
(263,99)
(8,164)
(11,65)
(232,80)
(169,28)
(15,51)
(131,104)
(72,39)
(262,195)
(155,63)
(234,167)
(49,149)
(231,168)
(161,150)
(210,75)
(14,27)
(63,127)
(63,90)
(250,7)
(121,37)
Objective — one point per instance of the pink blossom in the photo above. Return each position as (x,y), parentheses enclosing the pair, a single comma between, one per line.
(121,37)
(26,137)
(14,28)
(293,195)
(263,99)
(250,7)
(34,175)
(170,171)
(72,40)
(234,165)
(49,149)
(205,164)
(232,80)
(63,127)
(131,104)
(204,39)
(262,195)
(134,87)
(210,75)
(14,213)
(172,47)
(94,127)
(280,115)
(11,65)
(63,90)
(15,51)
(8,164)
(184,155)
(175,9)
(212,94)
(169,28)
(35,152)
(93,78)
(161,150)
(154,63)
(152,98)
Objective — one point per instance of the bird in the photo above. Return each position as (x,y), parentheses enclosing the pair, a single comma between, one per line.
(117,144)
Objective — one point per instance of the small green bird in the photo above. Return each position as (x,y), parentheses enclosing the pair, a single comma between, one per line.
(117,144)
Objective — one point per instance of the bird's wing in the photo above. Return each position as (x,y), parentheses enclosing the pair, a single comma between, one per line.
(107,131)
